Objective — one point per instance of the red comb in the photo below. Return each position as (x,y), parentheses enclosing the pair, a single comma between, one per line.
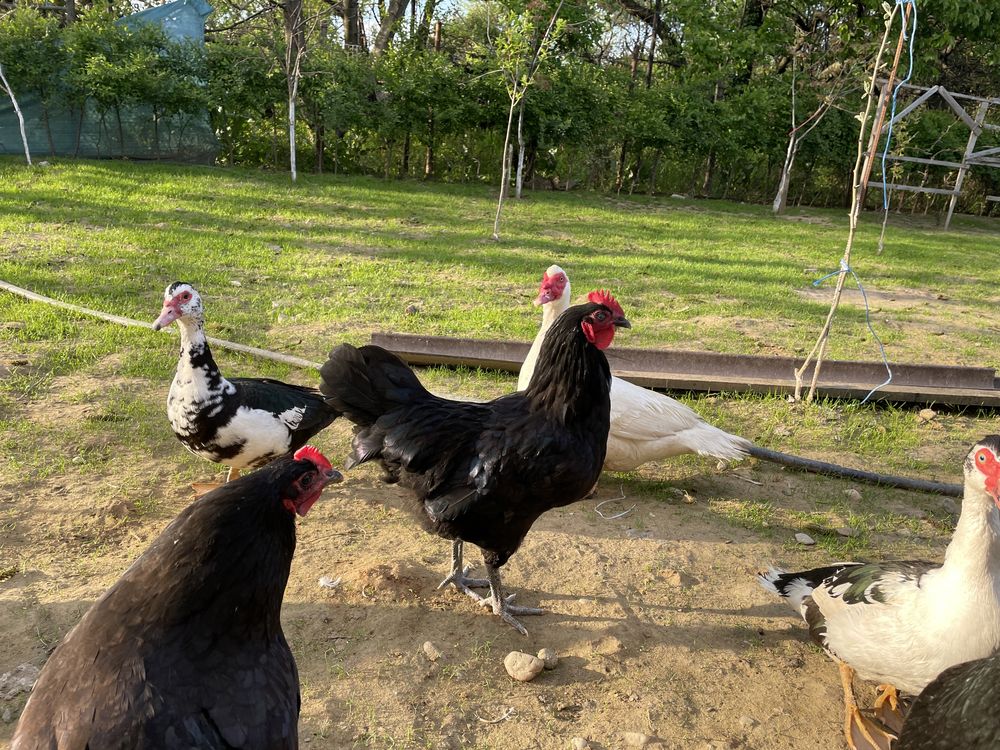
(309,453)
(603,297)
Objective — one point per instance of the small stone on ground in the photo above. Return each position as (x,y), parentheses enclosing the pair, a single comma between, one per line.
(550,657)
(523,667)
(431,651)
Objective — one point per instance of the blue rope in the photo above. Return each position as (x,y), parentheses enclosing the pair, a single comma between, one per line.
(844,268)
(909,72)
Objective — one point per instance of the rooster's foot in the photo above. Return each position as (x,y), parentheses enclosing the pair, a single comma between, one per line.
(459,579)
(459,574)
(501,605)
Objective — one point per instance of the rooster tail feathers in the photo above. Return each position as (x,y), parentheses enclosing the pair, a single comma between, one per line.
(364,383)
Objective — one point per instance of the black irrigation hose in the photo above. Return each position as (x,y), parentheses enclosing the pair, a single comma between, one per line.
(886,480)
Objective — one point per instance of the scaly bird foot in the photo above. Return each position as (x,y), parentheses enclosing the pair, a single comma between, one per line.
(459,579)
(506,611)
(860,732)
(865,734)
(887,708)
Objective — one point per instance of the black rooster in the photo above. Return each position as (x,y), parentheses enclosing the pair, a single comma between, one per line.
(186,650)
(483,472)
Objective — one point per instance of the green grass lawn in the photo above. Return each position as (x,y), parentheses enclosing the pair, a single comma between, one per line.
(298,269)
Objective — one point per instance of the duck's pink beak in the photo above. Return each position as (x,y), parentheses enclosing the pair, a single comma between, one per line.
(168,315)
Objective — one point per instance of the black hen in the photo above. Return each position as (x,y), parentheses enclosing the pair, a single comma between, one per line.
(957,711)
(483,472)
(186,650)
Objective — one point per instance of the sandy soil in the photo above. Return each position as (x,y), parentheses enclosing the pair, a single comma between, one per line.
(660,627)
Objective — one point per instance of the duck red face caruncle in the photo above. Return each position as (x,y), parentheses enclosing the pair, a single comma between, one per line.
(985,460)
(553,285)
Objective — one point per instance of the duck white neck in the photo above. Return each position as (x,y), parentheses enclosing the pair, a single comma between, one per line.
(550,311)
(974,549)
(193,341)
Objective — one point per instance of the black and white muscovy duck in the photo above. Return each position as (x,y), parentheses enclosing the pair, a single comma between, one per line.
(903,623)
(957,711)
(645,425)
(243,422)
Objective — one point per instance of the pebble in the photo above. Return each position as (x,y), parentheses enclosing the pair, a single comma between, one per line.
(523,667)
(19,680)
(846,531)
(431,651)
(853,495)
(926,415)
(636,739)
(748,722)
(235,282)
(412,310)
(549,657)
(578,743)
(8,717)
(804,539)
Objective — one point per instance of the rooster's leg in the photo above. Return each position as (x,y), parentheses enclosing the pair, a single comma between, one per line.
(501,604)
(861,733)
(458,574)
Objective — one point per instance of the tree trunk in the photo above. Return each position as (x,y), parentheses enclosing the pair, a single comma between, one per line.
(635,173)
(429,158)
(620,173)
(79,129)
(397,8)
(519,181)
(352,24)
(48,128)
(17,110)
(320,145)
(652,43)
(156,135)
(405,168)
(121,132)
(781,199)
(69,13)
(653,170)
(295,49)
(424,27)
(505,166)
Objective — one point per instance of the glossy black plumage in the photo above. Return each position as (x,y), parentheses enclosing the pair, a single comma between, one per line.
(957,710)
(186,649)
(482,472)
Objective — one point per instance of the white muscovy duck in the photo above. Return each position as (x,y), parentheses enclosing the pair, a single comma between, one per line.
(243,422)
(903,623)
(645,425)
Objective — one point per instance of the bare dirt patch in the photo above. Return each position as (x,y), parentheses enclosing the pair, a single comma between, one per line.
(658,623)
